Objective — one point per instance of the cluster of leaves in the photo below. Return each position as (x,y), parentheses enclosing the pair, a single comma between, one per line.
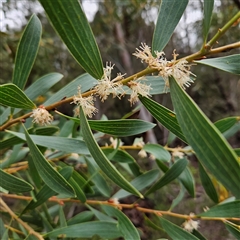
(48,176)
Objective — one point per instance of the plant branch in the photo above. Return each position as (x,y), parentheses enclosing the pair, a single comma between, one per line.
(196,56)
(124,206)
(25,225)
(221,32)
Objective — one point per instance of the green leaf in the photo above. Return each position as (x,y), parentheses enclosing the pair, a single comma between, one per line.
(125,226)
(139,183)
(185,177)
(233,230)
(122,156)
(170,13)
(69,145)
(42,85)
(10,142)
(48,174)
(119,155)
(85,81)
(49,130)
(210,146)
(208,184)
(3,231)
(178,199)
(228,64)
(62,219)
(72,26)
(97,178)
(27,51)
(175,232)
(207,9)
(101,216)
(80,218)
(46,192)
(13,96)
(39,87)
(98,155)
(226,123)
(84,184)
(232,131)
(14,184)
(173,172)
(102,229)
(158,151)
(165,116)
(46,131)
(237,151)
(33,172)
(17,154)
(78,190)
(121,128)
(188,182)
(224,210)
(198,235)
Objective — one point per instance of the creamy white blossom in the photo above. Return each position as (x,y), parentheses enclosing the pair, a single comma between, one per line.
(178,154)
(107,86)
(189,225)
(179,69)
(138,142)
(87,104)
(113,201)
(138,88)
(115,142)
(41,116)
(142,153)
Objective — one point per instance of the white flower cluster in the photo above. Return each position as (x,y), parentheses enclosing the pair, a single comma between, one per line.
(190,224)
(87,104)
(178,153)
(115,142)
(138,142)
(106,86)
(41,116)
(179,69)
(138,88)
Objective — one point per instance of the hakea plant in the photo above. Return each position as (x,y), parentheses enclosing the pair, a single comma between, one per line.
(49,179)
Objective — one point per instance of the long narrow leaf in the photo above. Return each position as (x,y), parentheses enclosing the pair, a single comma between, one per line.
(175,232)
(68,145)
(125,226)
(14,184)
(233,230)
(104,164)
(209,145)
(225,210)
(139,183)
(228,64)
(72,25)
(86,82)
(120,128)
(13,96)
(169,15)
(165,116)
(208,8)
(208,184)
(105,230)
(48,174)
(170,175)
(46,192)
(27,51)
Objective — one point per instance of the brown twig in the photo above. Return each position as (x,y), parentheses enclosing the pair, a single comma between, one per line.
(123,206)
(25,225)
